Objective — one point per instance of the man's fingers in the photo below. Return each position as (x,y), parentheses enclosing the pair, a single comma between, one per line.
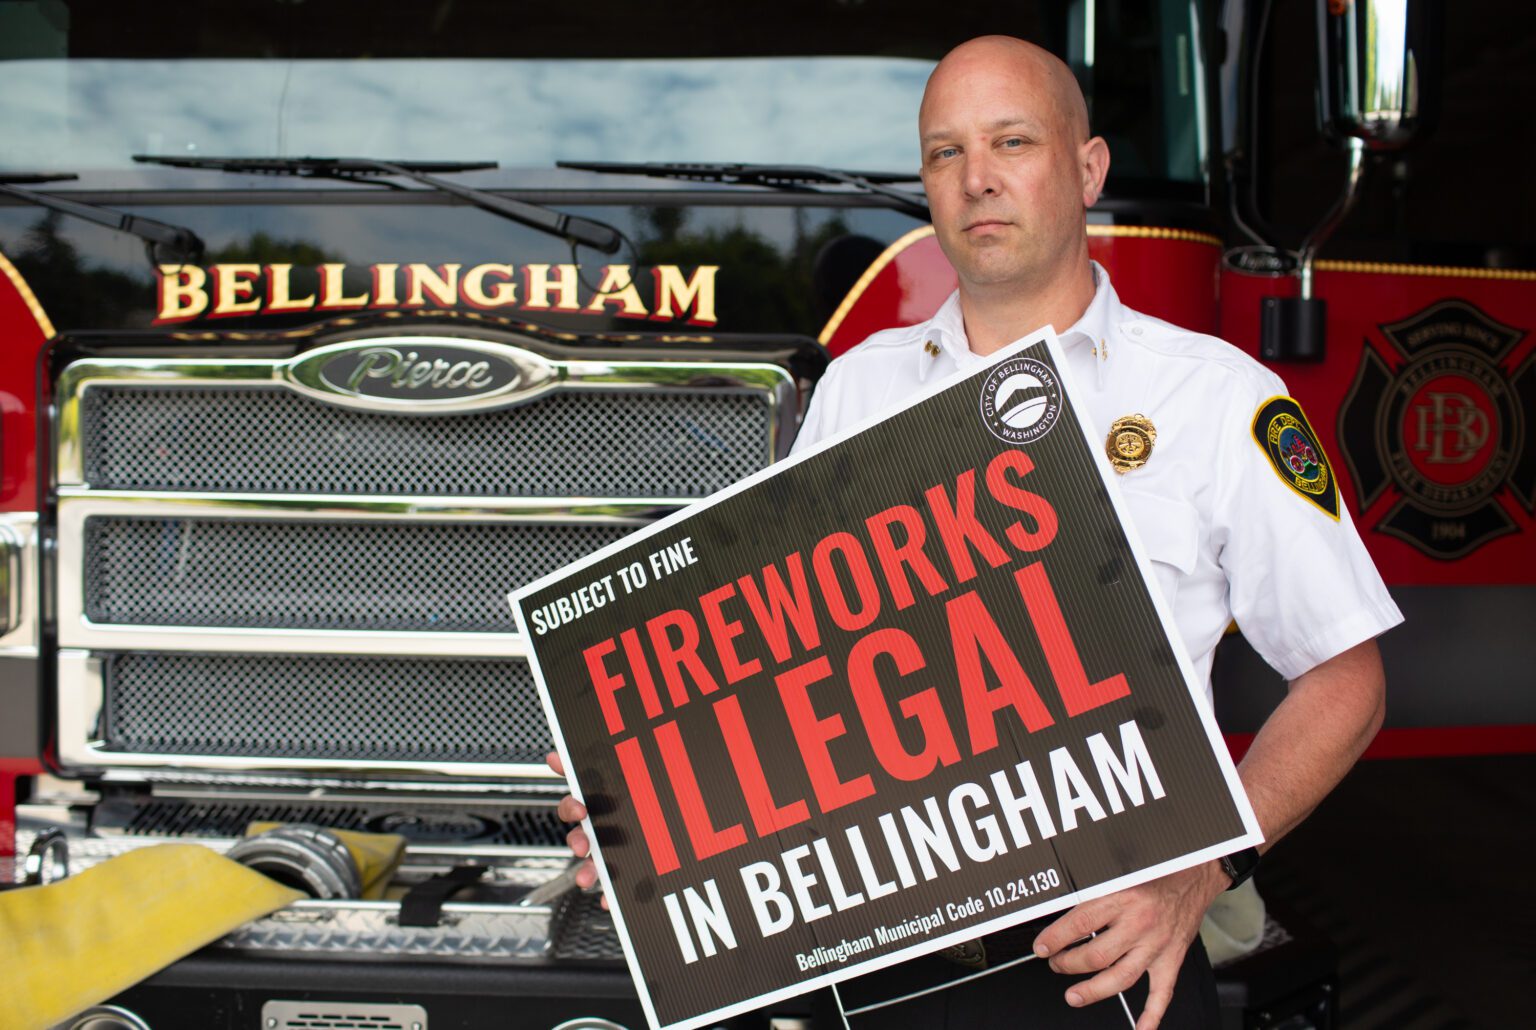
(569,810)
(1092,955)
(1089,917)
(1109,982)
(1164,972)
(572,811)
(1157,1004)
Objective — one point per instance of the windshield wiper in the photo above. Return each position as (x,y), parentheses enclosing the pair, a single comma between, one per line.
(783,177)
(36,177)
(574,228)
(167,244)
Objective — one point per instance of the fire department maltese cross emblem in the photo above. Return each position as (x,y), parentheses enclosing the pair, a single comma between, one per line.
(1439,422)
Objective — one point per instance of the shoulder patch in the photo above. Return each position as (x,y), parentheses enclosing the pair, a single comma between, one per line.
(1294,451)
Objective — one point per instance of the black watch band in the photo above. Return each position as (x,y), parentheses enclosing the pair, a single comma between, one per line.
(1239,865)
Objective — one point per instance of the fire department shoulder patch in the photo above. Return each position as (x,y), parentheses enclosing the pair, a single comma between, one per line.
(1292,447)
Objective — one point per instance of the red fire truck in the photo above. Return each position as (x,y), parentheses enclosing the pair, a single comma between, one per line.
(328,324)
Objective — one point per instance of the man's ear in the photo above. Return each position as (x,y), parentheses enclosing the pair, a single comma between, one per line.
(1093,158)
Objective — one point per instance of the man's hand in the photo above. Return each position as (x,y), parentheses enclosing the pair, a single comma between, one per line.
(1145,929)
(572,811)
(1303,749)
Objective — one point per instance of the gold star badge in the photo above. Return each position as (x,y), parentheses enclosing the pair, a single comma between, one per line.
(1130,441)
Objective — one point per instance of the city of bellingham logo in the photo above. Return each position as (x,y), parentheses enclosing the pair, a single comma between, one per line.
(1436,420)
(1020,400)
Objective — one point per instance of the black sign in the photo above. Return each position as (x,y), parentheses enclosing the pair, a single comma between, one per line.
(897,692)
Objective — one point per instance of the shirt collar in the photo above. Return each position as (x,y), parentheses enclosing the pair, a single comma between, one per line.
(1099,317)
(944,333)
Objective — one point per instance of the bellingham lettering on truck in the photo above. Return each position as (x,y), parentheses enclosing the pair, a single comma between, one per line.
(188,292)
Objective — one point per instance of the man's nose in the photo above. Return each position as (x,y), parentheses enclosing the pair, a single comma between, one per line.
(981,179)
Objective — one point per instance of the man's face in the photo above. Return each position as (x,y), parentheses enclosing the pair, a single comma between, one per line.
(1002,168)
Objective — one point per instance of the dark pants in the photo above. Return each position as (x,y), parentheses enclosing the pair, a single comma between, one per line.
(1026,996)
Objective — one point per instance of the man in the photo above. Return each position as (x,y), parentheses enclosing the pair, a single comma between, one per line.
(1010,170)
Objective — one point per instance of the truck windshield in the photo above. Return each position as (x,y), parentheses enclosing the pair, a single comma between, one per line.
(85,84)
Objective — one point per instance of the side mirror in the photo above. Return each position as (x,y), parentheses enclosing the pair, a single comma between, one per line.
(1378,61)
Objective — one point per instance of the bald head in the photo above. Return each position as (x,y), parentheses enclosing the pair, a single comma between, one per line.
(1010,171)
(1039,81)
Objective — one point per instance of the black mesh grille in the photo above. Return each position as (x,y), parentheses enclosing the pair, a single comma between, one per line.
(531,825)
(584,930)
(324,707)
(250,573)
(270,440)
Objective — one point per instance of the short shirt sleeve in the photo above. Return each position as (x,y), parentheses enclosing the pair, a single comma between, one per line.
(1302,587)
(821,416)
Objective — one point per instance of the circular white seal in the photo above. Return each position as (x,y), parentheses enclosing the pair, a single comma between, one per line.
(1020,400)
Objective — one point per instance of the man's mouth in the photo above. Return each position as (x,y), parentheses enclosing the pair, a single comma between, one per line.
(986,223)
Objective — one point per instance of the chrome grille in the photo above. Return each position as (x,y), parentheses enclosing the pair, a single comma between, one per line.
(311,574)
(323,707)
(251,578)
(249,439)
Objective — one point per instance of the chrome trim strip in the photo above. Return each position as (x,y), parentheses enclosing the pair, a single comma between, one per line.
(19,594)
(766,378)
(78,503)
(532,861)
(11,583)
(201,780)
(402,794)
(80,743)
(75,629)
(126,637)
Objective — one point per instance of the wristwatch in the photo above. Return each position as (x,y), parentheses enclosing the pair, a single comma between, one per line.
(1239,865)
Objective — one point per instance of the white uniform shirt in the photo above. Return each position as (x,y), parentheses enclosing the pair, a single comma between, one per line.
(1228,539)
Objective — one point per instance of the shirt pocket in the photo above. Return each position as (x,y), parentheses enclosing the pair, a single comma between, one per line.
(1170,532)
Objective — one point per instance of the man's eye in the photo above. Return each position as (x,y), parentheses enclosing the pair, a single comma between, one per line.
(945,154)
(1013,141)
